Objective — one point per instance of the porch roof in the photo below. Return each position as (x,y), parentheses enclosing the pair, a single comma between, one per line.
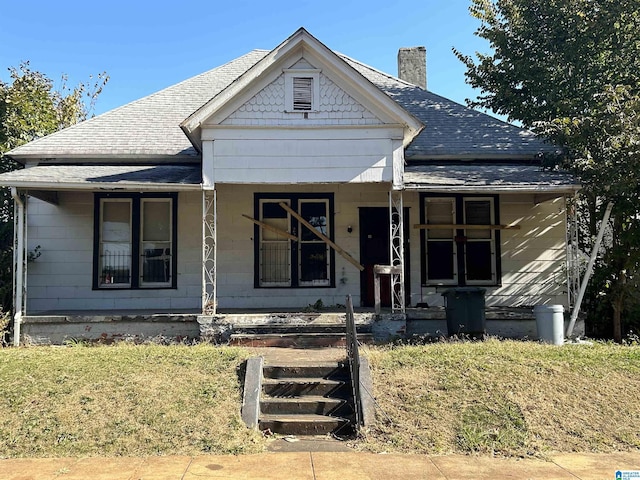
(107,177)
(483,178)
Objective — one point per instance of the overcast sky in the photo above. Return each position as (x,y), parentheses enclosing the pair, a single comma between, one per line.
(146,46)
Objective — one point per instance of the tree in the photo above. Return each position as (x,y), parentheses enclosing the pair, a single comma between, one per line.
(570,70)
(30,107)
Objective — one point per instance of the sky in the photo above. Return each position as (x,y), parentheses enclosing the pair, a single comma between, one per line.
(145,46)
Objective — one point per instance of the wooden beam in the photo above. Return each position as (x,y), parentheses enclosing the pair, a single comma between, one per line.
(275,230)
(434,226)
(322,237)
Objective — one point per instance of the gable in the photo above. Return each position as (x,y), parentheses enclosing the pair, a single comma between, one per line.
(334,105)
(348,98)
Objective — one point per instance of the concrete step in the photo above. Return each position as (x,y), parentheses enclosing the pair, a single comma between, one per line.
(306,405)
(298,386)
(304,424)
(295,340)
(299,328)
(333,370)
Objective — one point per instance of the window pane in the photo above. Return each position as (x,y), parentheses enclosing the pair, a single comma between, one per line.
(275,264)
(155,254)
(477,212)
(316,214)
(440,265)
(156,220)
(277,217)
(313,262)
(440,212)
(275,249)
(116,221)
(479,261)
(115,243)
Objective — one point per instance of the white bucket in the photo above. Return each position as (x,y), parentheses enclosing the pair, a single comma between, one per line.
(550,323)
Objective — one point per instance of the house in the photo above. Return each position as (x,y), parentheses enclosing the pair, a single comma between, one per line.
(277,181)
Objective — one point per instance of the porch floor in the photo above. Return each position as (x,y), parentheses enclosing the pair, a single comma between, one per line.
(429,313)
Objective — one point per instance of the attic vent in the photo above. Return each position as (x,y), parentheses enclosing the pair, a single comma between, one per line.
(302,90)
(302,93)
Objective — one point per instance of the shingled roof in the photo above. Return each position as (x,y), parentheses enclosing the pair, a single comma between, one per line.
(150,127)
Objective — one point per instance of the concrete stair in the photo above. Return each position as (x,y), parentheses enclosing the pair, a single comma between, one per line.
(306,399)
(310,335)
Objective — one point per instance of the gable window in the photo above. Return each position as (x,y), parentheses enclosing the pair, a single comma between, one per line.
(135,241)
(287,252)
(302,93)
(461,252)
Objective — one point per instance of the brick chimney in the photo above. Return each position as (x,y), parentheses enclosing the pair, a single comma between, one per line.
(412,65)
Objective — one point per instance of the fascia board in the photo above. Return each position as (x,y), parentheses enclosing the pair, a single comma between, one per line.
(97,186)
(560,189)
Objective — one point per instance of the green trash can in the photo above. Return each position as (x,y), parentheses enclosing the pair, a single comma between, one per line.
(464,308)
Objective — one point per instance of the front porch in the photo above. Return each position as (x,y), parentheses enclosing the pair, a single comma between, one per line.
(189,324)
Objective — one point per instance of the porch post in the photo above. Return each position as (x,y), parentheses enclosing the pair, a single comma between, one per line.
(209,250)
(396,224)
(19,261)
(573,265)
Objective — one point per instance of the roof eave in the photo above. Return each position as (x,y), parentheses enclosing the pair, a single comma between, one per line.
(100,186)
(559,189)
(474,156)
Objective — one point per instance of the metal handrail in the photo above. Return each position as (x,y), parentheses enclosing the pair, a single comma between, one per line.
(353,357)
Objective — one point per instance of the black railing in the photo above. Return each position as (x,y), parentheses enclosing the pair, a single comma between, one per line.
(116,268)
(353,357)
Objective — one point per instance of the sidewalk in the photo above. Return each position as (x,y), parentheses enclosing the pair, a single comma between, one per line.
(321,466)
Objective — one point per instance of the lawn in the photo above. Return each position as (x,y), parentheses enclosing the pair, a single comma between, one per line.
(122,400)
(494,397)
(505,397)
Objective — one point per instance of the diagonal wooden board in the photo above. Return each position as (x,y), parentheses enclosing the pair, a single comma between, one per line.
(322,237)
(275,230)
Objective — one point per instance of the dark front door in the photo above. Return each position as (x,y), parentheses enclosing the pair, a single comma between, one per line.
(374,250)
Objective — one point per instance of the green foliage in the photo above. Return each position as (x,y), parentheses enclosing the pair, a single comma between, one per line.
(30,108)
(570,70)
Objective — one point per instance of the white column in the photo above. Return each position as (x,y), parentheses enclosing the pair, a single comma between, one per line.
(209,250)
(19,261)
(396,242)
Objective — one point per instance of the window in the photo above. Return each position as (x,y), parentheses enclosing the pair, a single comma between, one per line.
(288,252)
(302,92)
(461,252)
(135,241)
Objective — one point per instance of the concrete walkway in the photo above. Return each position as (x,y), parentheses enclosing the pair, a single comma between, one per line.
(321,466)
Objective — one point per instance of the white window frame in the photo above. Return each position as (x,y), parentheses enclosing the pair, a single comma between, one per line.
(460,263)
(452,201)
(491,240)
(272,241)
(166,257)
(314,241)
(289,75)
(101,267)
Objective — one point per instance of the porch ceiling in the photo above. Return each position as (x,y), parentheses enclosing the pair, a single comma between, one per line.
(483,178)
(105,177)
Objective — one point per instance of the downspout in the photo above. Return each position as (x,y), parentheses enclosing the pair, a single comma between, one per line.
(589,271)
(18,265)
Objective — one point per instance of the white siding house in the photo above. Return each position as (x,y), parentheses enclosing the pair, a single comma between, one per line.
(271,183)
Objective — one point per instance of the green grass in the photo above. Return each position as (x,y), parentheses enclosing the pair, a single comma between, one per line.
(122,400)
(499,398)
(506,398)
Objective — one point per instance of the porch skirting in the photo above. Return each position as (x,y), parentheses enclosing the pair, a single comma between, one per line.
(424,322)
